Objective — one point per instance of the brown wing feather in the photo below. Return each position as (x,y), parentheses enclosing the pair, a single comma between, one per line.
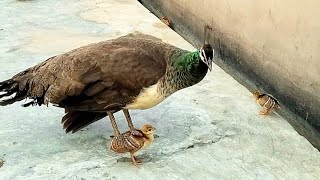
(126,61)
(73,121)
(97,77)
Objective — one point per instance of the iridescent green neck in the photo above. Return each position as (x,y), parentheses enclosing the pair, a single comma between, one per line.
(187,61)
(185,69)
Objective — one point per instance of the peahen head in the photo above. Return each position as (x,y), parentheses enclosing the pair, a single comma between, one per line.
(206,53)
(199,60)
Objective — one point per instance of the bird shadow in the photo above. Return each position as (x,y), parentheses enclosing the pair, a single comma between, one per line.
(145,158)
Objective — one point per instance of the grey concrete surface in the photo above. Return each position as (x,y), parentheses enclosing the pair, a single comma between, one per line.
(268,45)
(209,131)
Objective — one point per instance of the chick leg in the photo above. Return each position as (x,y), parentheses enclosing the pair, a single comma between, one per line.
(114,124)
(264,112)
(135,161)
(130,124)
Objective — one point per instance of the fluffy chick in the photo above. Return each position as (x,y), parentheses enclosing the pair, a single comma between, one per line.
(267,102)
(166,21)
(133,141)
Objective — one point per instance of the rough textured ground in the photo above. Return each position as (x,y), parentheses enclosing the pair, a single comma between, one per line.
(209,131)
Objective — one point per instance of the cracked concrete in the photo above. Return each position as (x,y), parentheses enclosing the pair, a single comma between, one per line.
(209,131)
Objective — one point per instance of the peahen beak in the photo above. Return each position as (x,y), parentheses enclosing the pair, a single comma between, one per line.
(205,59)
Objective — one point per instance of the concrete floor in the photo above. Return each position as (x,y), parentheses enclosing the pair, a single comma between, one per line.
(209,131)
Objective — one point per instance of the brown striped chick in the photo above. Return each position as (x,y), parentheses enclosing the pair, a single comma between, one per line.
(133,141)
(267,102)
(166,20)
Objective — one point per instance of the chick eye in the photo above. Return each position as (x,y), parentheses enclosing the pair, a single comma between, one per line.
(149,129)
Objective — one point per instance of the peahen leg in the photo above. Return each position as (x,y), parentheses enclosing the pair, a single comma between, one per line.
(130,124)
(127,115)
(114,124)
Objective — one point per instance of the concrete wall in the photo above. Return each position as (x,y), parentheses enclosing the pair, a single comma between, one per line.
(270,45)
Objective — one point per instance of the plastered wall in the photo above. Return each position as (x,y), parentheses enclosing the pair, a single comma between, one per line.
(269,45)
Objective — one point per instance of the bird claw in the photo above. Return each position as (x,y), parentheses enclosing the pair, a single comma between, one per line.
(139,161)
(136,161)
(263,113)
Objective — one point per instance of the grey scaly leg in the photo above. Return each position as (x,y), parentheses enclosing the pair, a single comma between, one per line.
(114,124)
(127,115)
(130,124)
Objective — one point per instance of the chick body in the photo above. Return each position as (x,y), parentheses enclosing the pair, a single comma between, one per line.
(133,141)
(267,102)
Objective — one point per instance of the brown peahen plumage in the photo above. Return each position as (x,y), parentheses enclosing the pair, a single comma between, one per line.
(135,71)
